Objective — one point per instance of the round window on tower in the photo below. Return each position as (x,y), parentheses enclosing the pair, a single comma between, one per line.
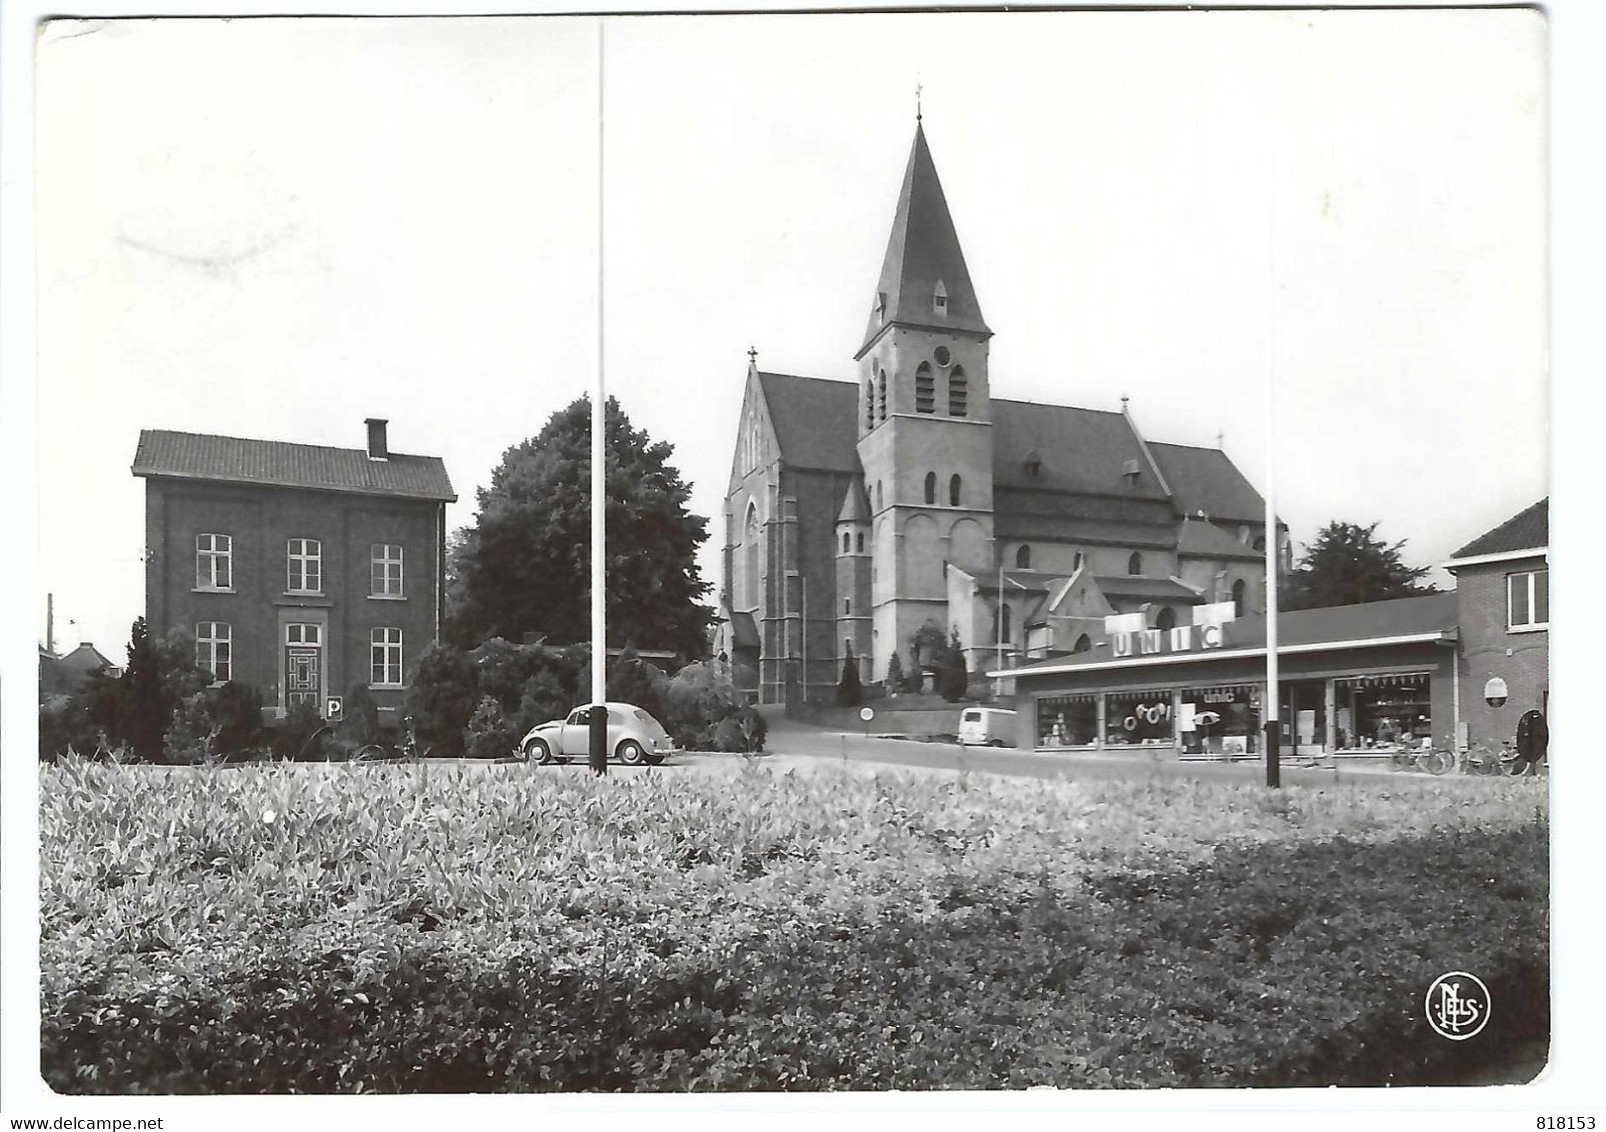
(942,355)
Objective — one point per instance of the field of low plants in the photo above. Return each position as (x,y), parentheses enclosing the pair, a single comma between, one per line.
(338,928)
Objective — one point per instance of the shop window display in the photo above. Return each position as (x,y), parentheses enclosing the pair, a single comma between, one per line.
(1134,718)
(1383,711)
(1067,721)
(1222,721)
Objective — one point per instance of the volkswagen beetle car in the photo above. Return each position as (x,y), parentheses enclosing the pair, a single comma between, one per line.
(634,737)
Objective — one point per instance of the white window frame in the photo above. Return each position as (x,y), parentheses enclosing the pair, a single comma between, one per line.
(303,566)
(1526,579)
(385,657)
(217,549)
(381,582)
(210,636)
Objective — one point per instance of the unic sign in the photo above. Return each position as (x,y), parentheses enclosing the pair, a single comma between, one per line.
(1152,642)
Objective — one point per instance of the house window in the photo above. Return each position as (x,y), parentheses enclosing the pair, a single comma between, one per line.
(925,389)
(214,562)
(750,558)
(858,543)
(304,572)
(386,653)
(1134,565)
(931,487)
(847,541)
(213,649)
(1023,558)
(869,405)
(878,495)
(386,559)
(1033,465)
(958,393)
(1528,600)
(881,396)
(939,298)
(1239,590)
(1083,644)
(847,605)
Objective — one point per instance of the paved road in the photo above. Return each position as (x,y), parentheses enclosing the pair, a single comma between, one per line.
(789,738)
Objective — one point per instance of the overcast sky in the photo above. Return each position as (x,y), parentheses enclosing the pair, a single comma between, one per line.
(277,228)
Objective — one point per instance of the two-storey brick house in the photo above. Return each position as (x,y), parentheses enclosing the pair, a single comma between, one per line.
(300,570)
(1502,581)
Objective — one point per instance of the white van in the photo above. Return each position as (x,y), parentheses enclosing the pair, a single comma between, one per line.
(987,727)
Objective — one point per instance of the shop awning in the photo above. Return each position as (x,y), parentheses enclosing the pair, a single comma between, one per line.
(1404,621)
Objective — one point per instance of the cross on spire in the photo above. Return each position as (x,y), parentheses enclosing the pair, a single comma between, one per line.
(918,89)
(752,355)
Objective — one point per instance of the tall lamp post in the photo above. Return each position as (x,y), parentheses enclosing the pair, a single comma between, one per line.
(598,744)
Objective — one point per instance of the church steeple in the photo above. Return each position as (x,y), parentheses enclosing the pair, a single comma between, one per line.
(924,281)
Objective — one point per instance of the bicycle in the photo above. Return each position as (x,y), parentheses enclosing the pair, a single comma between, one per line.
(408,752)
(1484,761)
(1429,759)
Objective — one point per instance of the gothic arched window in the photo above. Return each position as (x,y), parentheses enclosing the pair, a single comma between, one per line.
(847,541)
(881,396)
(1239,593)
(925,389)
(869,405)
(931,487)
(750,558)
(1023,558)
(958,393)
(878,495)
(858,543)
(1134,565)
(953,491)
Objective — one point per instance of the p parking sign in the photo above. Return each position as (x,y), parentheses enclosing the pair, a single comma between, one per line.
(333,708)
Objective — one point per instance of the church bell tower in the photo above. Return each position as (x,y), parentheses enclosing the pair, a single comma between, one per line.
(924,417)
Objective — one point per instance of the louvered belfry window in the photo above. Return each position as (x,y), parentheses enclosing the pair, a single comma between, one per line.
(958,393)
(925,389)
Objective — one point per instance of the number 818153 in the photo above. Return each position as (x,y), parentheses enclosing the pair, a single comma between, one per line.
(1565,1123)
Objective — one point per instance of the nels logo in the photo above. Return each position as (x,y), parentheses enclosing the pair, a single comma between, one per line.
(1457,1005)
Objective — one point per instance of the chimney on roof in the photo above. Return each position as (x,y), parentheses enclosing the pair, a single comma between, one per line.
(377,448)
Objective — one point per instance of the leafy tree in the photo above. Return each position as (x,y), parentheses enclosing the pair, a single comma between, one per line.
(849,692)
(160,674)
(236,711)
(359,719)
(632,680)
(441,698)
(524,565)
(489,735)
(894,676)
(1348,564)
(953,678)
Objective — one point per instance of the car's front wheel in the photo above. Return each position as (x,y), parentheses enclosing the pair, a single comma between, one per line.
(538,752)
(631,754)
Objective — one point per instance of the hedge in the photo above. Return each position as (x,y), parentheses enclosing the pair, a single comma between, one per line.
(396,929)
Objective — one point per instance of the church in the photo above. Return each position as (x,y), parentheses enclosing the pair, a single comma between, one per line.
(860,512)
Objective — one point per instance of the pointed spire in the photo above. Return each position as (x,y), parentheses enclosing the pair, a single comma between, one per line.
(923,259)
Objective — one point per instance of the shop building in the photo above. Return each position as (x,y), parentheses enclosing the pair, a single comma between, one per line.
(1354,680)
(1503,579)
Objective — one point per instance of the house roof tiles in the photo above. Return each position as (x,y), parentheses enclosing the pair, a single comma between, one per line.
(1529,529)
(229,459)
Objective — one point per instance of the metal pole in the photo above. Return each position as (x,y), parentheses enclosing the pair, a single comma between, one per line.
(1273,731)
(599,482)
(803,587)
